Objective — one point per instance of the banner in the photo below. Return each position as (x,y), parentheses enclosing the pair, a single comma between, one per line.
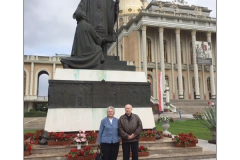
(160,93)
(203,52)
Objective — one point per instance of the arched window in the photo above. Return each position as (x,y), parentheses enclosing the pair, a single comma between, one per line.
(149,79)
(149,52)
(43,83)
(208,84)
(193,82)
(165,51)
(167,80)
(181,51)
(121,52)
(191,52)
(120,21)
(25,78)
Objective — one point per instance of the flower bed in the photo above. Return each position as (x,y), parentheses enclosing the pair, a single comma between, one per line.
(185,140)
(165,119)
(91,137)
(83,154)
(142,151)
(27,148)
(59,138)
(148,135)
(198,115)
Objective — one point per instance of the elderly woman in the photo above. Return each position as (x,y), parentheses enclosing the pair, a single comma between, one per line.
(108,137)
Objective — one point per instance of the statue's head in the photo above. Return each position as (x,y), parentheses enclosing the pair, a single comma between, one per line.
(79,14)
(99,4)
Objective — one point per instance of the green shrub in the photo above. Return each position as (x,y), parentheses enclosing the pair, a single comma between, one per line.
(35,114)
(31,110)
(210,119)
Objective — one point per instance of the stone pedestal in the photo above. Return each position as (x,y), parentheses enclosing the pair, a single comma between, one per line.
(78,98)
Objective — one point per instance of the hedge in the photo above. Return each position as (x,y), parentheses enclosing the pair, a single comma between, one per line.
(35,114)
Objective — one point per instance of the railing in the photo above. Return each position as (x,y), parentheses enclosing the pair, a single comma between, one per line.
(173,108)
(35,98)
(42,97)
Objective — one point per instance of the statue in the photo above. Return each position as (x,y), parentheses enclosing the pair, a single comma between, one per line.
(100,12)
(102,15)
(86,50)
(93,33)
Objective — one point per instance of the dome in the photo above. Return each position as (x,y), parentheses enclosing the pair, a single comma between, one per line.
(130,6)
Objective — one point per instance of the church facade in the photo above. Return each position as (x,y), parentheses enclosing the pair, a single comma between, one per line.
(162,37)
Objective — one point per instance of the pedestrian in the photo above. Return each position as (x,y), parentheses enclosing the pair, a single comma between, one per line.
(108,137)
(208,103)
(212,104)
(180,112)
(130,127)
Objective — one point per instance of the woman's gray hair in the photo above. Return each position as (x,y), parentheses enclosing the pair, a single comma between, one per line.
(111,107)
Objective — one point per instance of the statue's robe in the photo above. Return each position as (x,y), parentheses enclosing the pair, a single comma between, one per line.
(86,50)
(102,18)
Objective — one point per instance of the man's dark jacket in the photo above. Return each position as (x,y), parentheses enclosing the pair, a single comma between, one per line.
(128,126)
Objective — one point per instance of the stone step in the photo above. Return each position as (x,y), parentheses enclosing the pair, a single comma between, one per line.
(45,149)
(169,150)
(159,149)
(175,156)
(179,156)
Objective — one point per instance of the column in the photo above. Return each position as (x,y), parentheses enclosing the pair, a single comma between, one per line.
(54,68)
(212,82)
(144,28)
(179,64)
(31,79)
(139,51)
(162,56)
(172,66)
(195,66)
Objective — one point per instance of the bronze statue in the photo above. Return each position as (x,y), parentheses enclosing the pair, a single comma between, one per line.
(102,14)
(86,50)
(91,39)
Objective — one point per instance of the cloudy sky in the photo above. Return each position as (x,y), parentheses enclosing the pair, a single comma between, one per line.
(49,27)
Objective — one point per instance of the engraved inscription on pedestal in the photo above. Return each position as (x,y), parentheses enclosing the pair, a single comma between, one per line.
(75,94)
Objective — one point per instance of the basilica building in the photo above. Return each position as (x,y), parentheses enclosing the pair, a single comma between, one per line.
(163,36)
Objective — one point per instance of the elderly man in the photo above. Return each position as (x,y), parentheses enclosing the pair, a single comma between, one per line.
(129,127)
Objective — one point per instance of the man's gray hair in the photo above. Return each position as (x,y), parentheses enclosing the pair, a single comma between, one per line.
(111,107)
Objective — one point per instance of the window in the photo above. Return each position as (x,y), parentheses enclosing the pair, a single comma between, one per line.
(208,84)
(149,52)
(165,50)
(181,51)
(120,21)
(149,79)
(193,82)
(166,80)
(121,52)
(25,78)
(182,84)
(191,52)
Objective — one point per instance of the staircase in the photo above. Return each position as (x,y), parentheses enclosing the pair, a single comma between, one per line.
(162,149)
(191,106)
